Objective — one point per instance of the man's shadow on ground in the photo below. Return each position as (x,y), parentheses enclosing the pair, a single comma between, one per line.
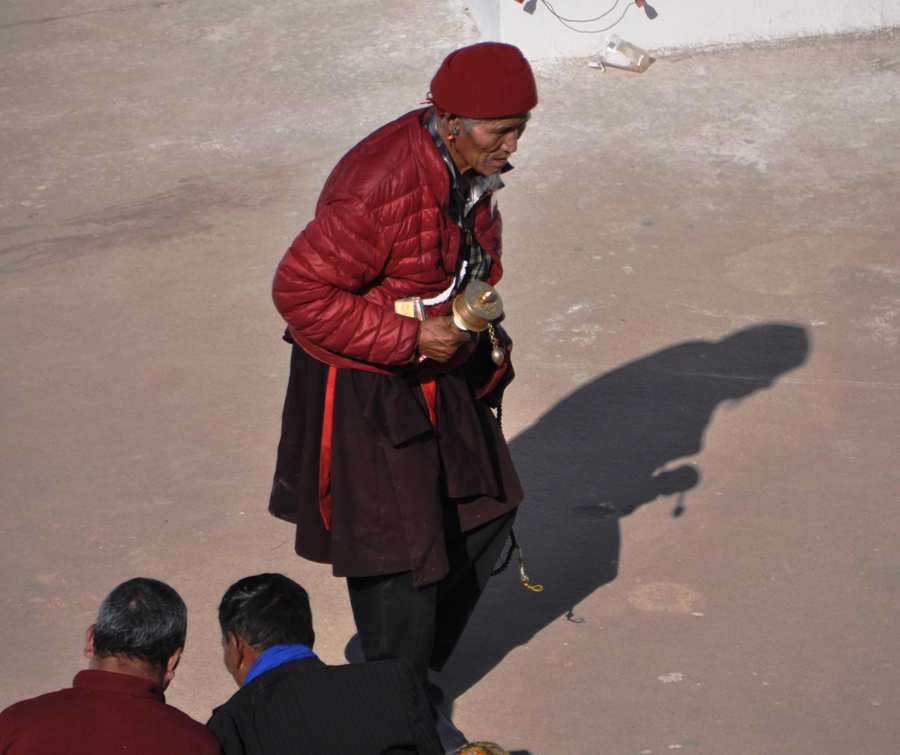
(595,457)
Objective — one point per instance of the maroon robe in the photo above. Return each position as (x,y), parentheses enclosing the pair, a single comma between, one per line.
(399,488)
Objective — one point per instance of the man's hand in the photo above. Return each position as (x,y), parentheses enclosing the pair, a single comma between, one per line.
(439,338)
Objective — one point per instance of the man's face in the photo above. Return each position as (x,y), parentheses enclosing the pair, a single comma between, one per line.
(486,147)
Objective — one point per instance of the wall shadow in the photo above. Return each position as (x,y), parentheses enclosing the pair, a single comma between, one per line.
(595,457)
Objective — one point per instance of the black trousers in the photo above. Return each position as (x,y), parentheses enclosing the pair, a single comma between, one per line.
(396,619)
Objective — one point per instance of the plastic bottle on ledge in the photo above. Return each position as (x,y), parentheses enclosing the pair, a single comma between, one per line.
(622,54)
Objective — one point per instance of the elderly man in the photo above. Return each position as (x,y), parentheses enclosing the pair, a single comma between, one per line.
(117,705)
(392,463)
(290,702)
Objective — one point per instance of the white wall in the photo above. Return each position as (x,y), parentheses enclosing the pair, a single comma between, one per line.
(680,24)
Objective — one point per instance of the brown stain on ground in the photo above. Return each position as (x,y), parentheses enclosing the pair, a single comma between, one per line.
(184,209)
(663,596)
(795,265)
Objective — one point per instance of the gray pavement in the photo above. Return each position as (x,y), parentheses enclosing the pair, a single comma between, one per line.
(702,279)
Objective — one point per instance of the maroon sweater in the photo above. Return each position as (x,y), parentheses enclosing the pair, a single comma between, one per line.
(103,713)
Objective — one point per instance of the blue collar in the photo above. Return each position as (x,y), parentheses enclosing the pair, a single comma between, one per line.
(275,656)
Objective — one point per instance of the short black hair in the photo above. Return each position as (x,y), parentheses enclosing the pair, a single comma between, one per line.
(143,619)
(267,610)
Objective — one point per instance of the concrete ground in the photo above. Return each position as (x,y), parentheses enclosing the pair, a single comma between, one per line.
(703,282)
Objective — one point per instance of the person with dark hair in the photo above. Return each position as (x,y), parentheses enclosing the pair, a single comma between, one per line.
(290,702)
(392,463)
(118,704)
(142,619)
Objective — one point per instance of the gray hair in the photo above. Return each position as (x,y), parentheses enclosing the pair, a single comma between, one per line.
(143,619)
(466,124)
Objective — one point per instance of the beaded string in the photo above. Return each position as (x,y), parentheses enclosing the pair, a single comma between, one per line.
(513,543)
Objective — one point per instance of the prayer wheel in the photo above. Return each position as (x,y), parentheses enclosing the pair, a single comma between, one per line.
(477,307)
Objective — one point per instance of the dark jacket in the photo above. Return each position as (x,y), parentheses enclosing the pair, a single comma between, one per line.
(305,706)
(104,713)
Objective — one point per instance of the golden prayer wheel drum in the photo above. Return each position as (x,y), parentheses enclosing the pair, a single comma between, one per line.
(477,307)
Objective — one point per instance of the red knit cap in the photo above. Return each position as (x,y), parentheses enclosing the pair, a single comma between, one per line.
(487,80)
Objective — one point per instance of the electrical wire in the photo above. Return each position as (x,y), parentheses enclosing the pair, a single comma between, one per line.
(567,22)
(581,20)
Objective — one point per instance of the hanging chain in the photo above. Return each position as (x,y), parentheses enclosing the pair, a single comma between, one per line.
(502,568)
(523,577)
(513,543)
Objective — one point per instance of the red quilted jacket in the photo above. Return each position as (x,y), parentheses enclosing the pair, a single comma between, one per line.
(380,233)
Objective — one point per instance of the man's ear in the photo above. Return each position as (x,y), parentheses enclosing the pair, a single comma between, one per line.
(239,656)
(239,648)
(89,641)
(171,665)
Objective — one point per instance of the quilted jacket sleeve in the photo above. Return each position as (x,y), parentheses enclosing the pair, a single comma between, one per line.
(319,286)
